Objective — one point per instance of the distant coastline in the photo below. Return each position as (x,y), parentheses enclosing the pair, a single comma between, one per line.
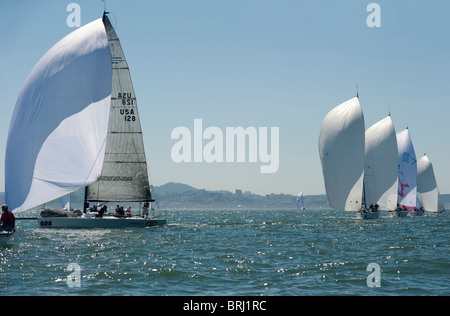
(182,196)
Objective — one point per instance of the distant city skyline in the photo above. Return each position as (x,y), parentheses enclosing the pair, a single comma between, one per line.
(255,64)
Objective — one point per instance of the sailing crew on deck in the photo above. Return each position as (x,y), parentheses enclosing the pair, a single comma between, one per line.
(102,211)
(145,209)
(119,211)
(7,220)
(128,212)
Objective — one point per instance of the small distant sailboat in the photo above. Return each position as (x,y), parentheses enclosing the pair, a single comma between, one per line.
(407,174)
(75,125)
(347,150)
(427,189)
(300,204)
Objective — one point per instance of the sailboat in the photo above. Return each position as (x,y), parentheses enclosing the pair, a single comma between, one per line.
(346,150)
(300,204)
(380,174)
(427,189)
(76,125)
(407,174)
(341,150)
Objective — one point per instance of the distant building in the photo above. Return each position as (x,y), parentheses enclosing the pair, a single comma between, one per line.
(238,193)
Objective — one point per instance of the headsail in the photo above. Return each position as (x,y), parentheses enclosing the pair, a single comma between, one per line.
(56,139)
(124,175)
(427,189)
(381,165)
(407,171)
(341,150)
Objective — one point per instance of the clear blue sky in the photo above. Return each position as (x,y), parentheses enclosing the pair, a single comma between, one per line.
(257,63)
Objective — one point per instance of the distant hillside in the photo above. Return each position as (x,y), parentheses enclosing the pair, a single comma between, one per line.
(172,187)
(181,196)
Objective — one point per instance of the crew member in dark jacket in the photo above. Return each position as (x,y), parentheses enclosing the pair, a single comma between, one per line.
(7,220)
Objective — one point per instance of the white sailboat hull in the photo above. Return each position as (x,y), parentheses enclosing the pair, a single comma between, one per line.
(92,222)
(5,237)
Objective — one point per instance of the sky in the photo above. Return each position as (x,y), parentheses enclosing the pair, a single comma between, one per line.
(256,63)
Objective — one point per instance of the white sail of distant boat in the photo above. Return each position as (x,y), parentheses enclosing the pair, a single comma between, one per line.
(407,171)
(427,189)
(380,175)
(300,204)
(65,202)
(341,150)
(77,103)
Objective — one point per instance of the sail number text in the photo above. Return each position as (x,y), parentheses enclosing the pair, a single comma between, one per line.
(128,114)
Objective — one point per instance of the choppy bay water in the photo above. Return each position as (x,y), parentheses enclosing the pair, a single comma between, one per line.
(238,252)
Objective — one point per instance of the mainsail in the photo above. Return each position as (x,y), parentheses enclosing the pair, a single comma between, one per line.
(407,171)
(427,189)
(56,139)
(341,150)
(381,165)
(124,175)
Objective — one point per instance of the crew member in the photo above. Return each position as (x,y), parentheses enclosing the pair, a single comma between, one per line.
(7,220)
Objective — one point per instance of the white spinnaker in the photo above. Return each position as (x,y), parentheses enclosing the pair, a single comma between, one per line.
(58,129)
(427,189)
(341,150)
(381,165)
(407,170)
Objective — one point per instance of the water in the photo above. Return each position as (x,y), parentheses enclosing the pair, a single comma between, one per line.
(276,252)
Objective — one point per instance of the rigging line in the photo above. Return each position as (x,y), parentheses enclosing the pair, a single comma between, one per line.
(105,12)
(98,155)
